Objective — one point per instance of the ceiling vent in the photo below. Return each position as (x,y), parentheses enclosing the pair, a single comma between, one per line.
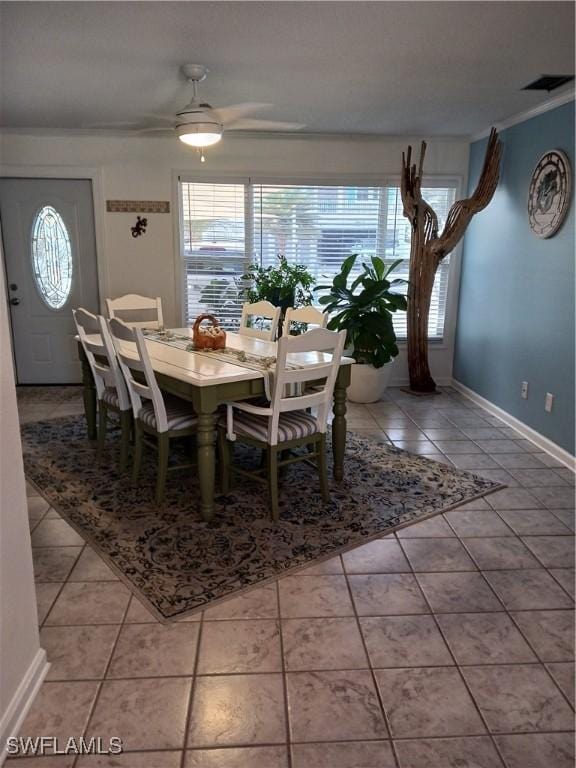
(548,83)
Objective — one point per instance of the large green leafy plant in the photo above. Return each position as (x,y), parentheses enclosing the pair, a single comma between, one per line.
(365,309)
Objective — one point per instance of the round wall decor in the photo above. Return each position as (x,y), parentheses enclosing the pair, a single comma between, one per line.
(549,195)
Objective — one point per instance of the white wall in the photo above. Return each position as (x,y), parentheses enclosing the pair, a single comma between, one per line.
(143,168)
(22,663)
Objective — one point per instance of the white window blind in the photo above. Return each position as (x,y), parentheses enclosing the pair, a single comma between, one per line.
(215,253)
(228,226)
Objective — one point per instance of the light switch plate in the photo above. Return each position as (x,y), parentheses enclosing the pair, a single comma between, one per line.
(549,402)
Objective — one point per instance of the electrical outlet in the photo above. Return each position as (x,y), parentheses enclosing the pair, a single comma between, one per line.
(549,402)
(524,390)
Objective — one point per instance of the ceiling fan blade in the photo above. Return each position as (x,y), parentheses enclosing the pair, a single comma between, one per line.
(130,128)
(249,124)
(158,116)
(230,114)
(167,129)
(112,125)
(138,124)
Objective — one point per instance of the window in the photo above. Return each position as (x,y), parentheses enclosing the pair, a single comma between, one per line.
(215,250)
(51,257)
(226,227)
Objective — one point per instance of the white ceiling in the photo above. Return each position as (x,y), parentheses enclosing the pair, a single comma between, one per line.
(434,68)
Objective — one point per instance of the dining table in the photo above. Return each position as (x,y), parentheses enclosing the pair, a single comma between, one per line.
(208,379)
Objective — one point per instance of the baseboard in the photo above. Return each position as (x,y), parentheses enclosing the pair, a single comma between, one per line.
(547,445)
(22,700)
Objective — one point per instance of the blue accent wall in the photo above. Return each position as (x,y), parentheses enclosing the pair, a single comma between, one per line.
(516,304)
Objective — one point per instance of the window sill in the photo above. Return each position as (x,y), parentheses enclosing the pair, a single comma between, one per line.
(433,343)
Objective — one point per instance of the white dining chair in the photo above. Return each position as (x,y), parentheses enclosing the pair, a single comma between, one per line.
(111,391)
(165,417)
(307,315)
(137,311)
(260,309)
(285,423)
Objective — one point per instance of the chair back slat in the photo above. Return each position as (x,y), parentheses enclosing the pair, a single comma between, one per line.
(86,320)
(96,347)
(101,355)
(116,375)
(311,400)
(106,373)
(308,315)
(262,309)
(87,325)
(137,311)
(127,360)
(310,373)
(317,340)
(133,357)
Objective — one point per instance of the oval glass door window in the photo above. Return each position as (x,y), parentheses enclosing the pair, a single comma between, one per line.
(51,257)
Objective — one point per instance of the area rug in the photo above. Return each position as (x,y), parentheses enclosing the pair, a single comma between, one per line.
(177,564)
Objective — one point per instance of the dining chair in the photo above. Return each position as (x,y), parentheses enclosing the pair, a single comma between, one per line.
(308,315)
(285,424)
(137,311)
(111,390)
(164,417)
(260,309)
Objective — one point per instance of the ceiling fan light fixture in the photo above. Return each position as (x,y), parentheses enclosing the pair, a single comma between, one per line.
(200,134)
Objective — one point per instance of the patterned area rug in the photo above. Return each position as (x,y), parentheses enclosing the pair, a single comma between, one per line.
(177,564)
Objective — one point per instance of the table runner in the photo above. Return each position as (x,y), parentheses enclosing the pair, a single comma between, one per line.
(264,364)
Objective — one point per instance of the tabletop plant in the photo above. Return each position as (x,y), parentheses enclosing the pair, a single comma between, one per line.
(283,284)
(365,308)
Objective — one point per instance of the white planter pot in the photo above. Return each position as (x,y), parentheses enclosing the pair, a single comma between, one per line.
(368,384)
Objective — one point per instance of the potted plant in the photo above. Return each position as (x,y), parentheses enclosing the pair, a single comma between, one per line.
(365,311)
(284,285)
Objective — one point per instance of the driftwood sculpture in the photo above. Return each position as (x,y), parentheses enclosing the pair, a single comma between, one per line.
(428,248)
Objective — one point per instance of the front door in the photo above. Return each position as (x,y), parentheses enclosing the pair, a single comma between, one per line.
(50,260)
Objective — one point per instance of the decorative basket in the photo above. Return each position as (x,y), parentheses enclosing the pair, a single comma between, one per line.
(208,337)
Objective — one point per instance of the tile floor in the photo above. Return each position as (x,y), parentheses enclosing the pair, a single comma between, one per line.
(448,645)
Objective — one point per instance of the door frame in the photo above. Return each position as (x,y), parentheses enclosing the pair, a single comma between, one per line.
(93,175)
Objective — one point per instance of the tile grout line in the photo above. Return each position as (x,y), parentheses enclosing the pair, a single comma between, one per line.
(377,667)
(370,667)
(66,578)
(508,568)
(549,570)
(344,616)
(539,662)
(42,624)
(537,654)
(498,511)
(287,723)
(457,667)
(193,682)
(364,616)
(459,536)
(241,745)
(102,680)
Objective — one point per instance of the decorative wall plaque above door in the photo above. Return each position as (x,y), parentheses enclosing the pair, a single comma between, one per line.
(137,206)
(549,195)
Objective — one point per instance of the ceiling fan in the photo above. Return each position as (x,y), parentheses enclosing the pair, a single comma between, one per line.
(200,125)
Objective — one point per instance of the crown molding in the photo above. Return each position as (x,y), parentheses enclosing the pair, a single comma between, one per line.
(104,133)
(557,101)
(520,117)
